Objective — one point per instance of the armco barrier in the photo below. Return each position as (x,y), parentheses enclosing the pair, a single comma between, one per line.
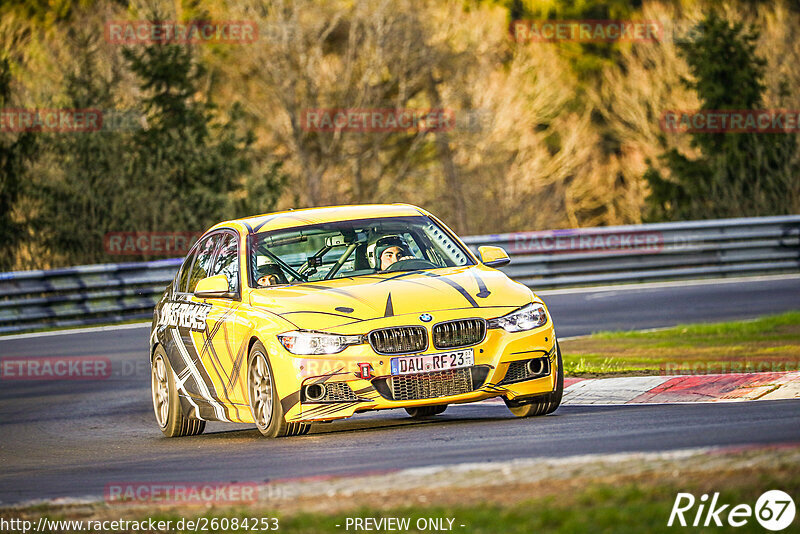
(90,294)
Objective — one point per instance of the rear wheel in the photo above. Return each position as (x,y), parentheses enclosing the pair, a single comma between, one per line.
(543,404)
(169,414)
(265,405)
(425,411)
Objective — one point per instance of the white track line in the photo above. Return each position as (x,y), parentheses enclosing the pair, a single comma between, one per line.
(86,330)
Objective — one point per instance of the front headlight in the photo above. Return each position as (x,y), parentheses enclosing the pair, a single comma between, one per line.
(526,318)
(307,343)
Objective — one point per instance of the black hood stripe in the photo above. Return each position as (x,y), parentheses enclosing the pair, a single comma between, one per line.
(401,275)
(389,311)
(354,319)
(455,285)
(483,291)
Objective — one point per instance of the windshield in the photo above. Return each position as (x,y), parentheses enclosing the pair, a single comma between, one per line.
(345,249)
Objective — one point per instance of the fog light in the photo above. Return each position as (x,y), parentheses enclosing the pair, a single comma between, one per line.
(535,367)
(315,392)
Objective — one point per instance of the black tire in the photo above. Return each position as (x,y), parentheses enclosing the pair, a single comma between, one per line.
(543,404)
(169,414)
(265,406)
(420,412)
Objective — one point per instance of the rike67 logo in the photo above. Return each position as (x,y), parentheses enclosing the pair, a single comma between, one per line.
(774,510)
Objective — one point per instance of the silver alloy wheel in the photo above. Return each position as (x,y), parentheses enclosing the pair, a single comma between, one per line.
(160,387)
(260,390)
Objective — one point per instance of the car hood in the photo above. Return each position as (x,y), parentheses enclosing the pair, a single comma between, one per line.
(326,304)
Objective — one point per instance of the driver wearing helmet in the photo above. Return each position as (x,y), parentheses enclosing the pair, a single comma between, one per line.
(388,250)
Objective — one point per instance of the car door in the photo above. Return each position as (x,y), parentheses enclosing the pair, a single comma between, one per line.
(186,321)
(223,352)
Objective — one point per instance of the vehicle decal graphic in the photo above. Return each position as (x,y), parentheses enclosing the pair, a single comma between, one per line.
(327,376)
(237,364)
(287,216)
(483,291)
(206,377)
(389,311)
(401,278)
(333,290)
(184,314)
(210,350)
(183,375)
(263,221)
(397,276)
(202,385)
(355,319)
(458,287)
(288,402)
(365,390)
(219,371)
(529,351)
(180,386)
(493,388)
(322,410)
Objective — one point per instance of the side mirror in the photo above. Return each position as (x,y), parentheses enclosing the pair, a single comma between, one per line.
(493,256)
(212,287)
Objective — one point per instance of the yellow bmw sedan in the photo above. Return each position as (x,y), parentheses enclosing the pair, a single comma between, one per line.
(307,316)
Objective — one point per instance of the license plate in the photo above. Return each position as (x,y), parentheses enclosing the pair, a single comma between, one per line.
(426,363)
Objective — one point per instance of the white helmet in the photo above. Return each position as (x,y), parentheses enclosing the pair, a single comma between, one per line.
(376,248)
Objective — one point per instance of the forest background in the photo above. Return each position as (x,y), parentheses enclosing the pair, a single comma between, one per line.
(547,135)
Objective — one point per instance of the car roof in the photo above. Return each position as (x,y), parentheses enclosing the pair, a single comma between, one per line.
(302,217)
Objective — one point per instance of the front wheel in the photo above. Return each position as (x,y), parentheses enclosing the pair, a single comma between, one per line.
(169,414)
(543,404)
(265,406)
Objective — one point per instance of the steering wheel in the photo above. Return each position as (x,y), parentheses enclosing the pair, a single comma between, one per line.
(411,264)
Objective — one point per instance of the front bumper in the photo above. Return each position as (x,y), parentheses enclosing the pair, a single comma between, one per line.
(496,373)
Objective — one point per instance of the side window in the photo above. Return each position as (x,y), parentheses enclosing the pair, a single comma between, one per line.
(183,276)
(205,253)
(227,262)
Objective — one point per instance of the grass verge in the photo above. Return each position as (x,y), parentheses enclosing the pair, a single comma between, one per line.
(767,344)
(596,498)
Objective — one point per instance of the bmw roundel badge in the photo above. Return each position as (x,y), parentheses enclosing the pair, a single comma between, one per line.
(426,317)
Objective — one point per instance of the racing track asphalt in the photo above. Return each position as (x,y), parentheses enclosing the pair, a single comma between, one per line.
(71,438)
